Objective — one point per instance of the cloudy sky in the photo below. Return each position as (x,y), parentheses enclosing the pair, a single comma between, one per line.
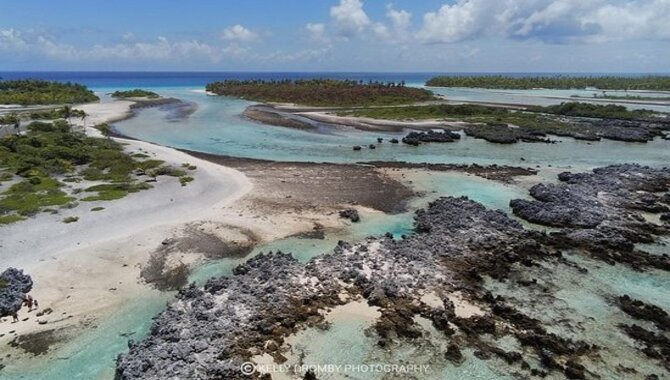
(337,35)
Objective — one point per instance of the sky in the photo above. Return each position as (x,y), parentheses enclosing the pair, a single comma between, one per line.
(336,35)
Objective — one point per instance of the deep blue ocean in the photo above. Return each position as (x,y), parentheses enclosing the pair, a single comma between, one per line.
(102,79)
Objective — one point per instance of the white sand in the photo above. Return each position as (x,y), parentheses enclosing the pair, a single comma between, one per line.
(75,265)
(88,269)
(371,124)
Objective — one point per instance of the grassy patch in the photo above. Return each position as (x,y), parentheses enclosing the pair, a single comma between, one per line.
(48,150)
(96,209)
(71,219)
(9,219)
(29,196)
(184,180)
(110,192)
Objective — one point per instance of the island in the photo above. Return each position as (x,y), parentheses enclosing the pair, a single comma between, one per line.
(40,92)
(646,82)
(136,93)
(322,92)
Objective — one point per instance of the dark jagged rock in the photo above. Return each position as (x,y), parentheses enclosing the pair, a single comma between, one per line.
(14,285)
(574,370)
(557,206)
(454,354)
(600,211)
(442,136)
(502,133)
(457,243)
(394,141)
(640,310)
(351,214)
(654,345)
(357,148)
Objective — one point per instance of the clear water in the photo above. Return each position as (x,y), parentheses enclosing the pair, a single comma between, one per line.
(92,352)
(583,309)
(544,97)
(216,127)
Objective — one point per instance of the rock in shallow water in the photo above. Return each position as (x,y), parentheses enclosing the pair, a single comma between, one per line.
(14,285)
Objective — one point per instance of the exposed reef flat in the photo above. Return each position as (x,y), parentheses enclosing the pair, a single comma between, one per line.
(502,173)
(601,211)
(508,128)
(301,186)
(458,248)
(268,115)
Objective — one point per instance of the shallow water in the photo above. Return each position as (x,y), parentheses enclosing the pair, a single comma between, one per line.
(583,308)
(546,97)
(92,352)
(217,127)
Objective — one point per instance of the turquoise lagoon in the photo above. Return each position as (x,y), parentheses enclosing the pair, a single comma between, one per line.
(217,127)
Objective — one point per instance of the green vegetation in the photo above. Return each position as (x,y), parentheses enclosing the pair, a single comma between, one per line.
(609,111)
(9,219)
(96,209)
(10,119)
(136,93)
(110,192)
(656,83)
(479,113)
(31,92)
(433,111)
(184,180)
(71,219)
(50,153)
(29,196)
(57,113)
(3,284)
(624,97)
(322,92)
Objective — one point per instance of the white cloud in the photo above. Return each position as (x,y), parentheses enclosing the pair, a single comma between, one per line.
(238,33)
(349,17)
(11,39)
(161,49)
(557,21)
(400,20)
(317,32)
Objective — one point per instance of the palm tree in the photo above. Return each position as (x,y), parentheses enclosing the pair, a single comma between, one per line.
(67,113)
(106,131)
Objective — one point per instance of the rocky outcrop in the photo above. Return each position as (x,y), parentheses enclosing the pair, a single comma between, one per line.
(441,136)
(502,133)
(351,214)
(588,129)
(457,243)
(14,285)
(600,211)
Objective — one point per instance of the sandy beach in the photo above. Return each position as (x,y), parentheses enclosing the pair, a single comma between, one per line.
(83,270)
(86,270)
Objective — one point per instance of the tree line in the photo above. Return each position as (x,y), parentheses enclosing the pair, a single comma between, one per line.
(649,82)
(39,92)
(322,92)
